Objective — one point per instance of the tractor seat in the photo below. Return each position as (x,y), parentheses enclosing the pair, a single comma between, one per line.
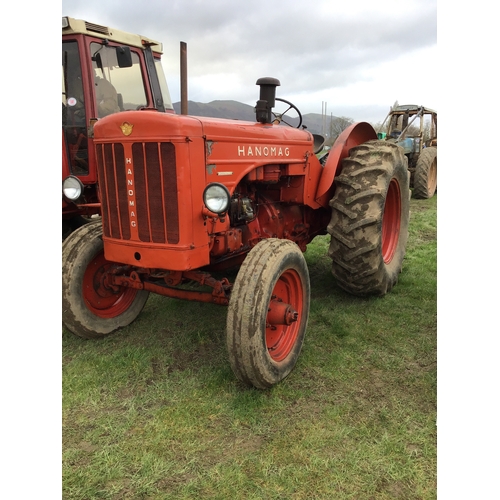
(319,140)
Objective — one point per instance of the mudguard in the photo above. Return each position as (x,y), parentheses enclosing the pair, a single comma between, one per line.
(352,136)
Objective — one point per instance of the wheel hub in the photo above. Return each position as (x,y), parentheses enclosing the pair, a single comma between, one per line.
(280,313)
(102,298)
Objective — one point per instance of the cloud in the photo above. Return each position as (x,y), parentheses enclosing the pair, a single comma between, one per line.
(318,50)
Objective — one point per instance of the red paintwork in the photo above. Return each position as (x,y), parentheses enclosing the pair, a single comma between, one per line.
(91,205)
(392,221)
(100,298)
(154,220)
(357,133)
(218,295)
(283,317)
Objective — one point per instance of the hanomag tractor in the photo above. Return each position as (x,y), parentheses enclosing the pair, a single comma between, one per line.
(185,198)
(104,71)
(421,152)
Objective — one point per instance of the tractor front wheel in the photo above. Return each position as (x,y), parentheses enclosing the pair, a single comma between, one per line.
(370,213)
(268,313)
(425,177)
(91,308)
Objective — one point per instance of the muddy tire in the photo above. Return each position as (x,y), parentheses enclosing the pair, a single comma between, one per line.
(425,177)
(370,213)
(90,309)
(268,313)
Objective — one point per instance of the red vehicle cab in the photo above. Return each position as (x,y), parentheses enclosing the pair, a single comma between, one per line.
(104,71)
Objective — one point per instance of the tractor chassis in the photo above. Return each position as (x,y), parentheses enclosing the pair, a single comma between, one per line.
(166,282)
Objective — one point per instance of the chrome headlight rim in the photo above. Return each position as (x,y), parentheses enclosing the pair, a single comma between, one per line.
(216,191)
(72,188)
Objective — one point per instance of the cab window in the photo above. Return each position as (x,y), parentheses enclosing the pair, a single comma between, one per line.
(116,88)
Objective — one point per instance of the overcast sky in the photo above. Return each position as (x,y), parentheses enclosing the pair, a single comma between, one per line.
(358,57)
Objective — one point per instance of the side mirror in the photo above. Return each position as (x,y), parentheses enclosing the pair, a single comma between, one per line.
(124,57)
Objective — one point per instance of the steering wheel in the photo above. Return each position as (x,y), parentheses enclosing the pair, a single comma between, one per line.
(278,117)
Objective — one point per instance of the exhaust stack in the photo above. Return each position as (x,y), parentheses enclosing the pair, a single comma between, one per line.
(266,101)
(184,91)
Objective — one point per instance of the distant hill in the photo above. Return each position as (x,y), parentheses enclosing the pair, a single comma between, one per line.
(219,109)
(235,110)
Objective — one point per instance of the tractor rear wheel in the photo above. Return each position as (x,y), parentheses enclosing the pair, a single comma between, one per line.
(268,313)
(425,177)
(91,309)
(370,213)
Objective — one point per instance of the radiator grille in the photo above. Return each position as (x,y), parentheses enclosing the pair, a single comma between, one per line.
(154,186)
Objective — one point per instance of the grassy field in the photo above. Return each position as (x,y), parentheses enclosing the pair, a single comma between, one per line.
(154,411)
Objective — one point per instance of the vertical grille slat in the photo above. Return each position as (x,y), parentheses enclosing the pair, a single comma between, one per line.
(111,191)
(102,186)
(170,189)
(156,209)
(155,198)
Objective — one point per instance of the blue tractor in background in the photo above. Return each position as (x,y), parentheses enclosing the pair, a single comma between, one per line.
(414,129)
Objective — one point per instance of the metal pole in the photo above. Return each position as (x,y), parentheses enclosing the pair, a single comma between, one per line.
(184,92)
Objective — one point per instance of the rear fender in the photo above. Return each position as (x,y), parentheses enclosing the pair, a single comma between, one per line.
(352,136)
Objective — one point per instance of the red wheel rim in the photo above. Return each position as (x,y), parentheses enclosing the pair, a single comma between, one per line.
(432,178)
(280,338)
(391,221)
(101,300)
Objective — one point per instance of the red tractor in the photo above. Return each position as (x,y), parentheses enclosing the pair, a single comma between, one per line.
(104,71)
(186,198)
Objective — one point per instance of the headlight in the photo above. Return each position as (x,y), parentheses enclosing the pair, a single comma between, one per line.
(72,188)
(216,198)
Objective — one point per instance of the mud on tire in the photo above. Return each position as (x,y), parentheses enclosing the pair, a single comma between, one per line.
(370,213)
(262,348)
(89,308)
(425,176)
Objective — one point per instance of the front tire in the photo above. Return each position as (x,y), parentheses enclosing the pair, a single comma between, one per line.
(90,308)
(370,214)
(268,313)
(425,177)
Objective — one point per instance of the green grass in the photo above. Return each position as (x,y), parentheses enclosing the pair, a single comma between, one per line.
(154,411)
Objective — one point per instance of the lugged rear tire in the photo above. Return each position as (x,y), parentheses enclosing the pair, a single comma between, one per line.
(89,308)
(370,214)
(425,177)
